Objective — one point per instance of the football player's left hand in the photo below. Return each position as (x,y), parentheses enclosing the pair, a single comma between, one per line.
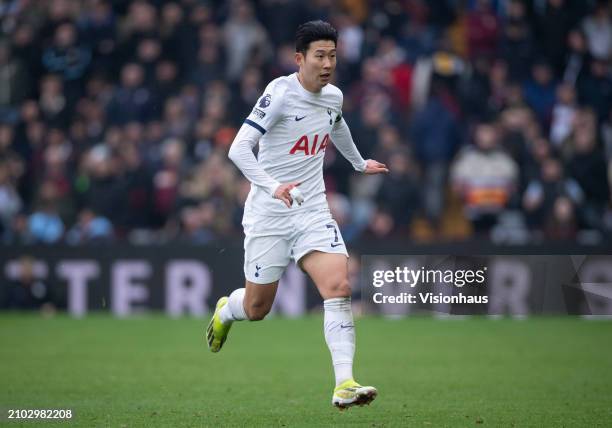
(375,167)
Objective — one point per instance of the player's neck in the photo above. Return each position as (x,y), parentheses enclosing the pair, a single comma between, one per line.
(312,89)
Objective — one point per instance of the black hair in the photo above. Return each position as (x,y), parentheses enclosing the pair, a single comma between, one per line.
(312,31)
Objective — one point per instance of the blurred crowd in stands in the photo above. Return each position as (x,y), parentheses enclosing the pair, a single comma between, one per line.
(495,117)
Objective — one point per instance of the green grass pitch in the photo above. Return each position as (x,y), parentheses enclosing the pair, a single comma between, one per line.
(154,371)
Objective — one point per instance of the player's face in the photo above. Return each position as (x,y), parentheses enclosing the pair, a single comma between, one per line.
(319,64)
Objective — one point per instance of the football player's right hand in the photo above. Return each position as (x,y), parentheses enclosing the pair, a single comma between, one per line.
(282,192)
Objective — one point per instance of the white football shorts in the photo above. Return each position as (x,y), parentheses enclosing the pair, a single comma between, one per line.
(271,242)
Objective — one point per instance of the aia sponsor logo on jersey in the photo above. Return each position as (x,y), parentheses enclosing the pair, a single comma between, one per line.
(311,146)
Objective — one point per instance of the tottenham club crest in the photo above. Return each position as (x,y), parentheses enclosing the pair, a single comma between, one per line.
(265,101)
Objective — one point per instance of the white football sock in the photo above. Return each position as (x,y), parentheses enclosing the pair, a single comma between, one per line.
(234,310)
(340,336)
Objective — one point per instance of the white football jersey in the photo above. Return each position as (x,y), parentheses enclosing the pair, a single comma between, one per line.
(296,125)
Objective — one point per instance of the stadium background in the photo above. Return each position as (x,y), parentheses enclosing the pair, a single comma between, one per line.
(495,118)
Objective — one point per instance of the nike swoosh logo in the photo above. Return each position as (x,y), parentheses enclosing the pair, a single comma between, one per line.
(297,119)
(335,245)
(346,326)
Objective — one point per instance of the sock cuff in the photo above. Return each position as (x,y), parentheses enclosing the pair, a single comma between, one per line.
(236,304)
(337,304)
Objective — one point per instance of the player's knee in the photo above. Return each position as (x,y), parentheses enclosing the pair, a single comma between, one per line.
(340,288)
(257,311)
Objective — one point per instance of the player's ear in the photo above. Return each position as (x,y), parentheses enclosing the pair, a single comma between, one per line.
(299,58)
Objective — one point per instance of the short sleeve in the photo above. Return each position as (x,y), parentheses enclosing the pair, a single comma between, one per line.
(268,109)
